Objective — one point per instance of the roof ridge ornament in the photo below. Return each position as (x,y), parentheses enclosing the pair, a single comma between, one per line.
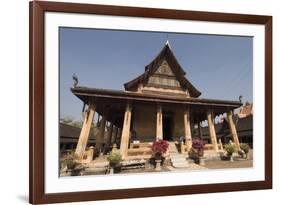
(75,80)
(168,44)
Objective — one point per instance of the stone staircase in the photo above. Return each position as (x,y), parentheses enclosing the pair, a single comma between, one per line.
(178,160)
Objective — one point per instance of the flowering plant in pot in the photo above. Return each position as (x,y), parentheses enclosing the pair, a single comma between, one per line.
(159,148)
(198,145)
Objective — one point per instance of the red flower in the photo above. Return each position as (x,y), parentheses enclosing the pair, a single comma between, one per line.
(198,144)
(160,147)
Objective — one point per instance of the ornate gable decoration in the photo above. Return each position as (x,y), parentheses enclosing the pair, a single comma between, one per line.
(163,72)
(164,69)
(164,77)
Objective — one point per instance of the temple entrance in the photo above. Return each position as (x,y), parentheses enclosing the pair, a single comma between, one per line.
(167,127)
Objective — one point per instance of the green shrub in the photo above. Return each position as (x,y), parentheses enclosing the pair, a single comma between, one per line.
(114,157)
(245,147)
(230,149)
(69,162)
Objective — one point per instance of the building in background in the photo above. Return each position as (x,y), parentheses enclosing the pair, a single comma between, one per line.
(244,126)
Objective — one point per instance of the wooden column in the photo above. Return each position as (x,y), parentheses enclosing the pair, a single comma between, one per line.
(119,133)
(159,124)
(212,130)
(109,136)
(98,121)
(126,131)
(100,136)
(199,130)
(232,128)
(187,129)
(63,148)
(85,131)
(118,136)
(114,134)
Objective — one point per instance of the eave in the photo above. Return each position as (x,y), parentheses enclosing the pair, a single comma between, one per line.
(84,93)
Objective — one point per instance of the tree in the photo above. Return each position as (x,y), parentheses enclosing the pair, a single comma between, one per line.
(70,121)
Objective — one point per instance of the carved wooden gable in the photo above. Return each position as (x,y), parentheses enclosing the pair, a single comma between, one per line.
(164,77)
(164,69)
(163,74)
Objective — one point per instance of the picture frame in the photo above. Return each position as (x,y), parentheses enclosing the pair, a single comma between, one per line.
(37,112)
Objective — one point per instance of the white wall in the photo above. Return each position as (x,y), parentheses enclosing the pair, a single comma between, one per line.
(14,99)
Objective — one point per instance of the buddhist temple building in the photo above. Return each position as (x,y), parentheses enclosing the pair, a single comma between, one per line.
(159,104)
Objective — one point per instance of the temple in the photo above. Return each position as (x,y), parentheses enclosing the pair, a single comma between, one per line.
(159,104)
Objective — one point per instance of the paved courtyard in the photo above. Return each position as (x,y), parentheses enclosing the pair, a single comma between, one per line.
(227,164)
(100,166)
(217,164)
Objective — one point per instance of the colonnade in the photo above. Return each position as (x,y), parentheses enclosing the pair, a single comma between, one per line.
(124,133)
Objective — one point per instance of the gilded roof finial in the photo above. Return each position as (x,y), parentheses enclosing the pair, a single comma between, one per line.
(167,42)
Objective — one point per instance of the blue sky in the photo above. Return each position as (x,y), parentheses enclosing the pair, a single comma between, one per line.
(221,67)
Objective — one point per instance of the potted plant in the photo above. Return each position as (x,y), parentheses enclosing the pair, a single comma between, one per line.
(230,149)
(69,162)
(114,159)
(72,165)
(197,151)
(246,148)
(159,148)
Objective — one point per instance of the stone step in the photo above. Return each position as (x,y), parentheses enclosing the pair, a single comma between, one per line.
(181,165)
(190,160)
(172,148)
(179,162)
(178,159)
(177,155)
